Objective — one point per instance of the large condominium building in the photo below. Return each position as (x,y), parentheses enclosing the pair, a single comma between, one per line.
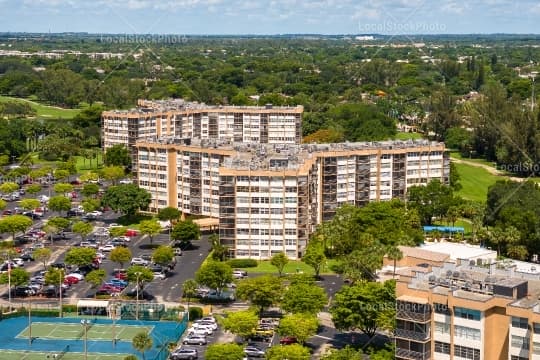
(269,198)
(476,308)
(157,118)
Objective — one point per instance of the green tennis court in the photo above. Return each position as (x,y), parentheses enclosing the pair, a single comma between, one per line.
(36,355)
(74,331)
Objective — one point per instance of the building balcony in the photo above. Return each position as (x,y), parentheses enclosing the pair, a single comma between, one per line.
(412,335)
(412,355)
(413,316)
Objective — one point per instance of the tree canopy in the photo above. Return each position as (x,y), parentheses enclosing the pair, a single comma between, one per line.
(127,198)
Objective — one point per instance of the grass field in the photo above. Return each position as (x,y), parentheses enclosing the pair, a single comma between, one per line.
(84,164)
(37,355)
(407,136)
(68,331)
(475,182)
(292,267)
(44,110)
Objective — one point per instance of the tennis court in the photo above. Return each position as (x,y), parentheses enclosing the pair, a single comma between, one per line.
(67,331)
(36,355)
(65,338)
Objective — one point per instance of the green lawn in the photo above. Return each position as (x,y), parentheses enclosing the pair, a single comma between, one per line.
(44,110)
(457,155)
(407,136)
(84,164)
(293,266)
(466,224)
(475,182)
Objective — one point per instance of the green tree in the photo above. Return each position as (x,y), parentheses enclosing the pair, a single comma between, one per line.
(42,255)
(306,298)
(139,275)
(126,198)
(131,357)
(347,353)
(118,231)
(185,231)
(90,190)
(224,352)
(117,155)
(14,224)
(240,323)
(432,200)
(394,253)
(54,276)
(113,173)
(365,306)
(33,189)
(301,326)
(59,203)
(219,251)
(142,342)
(59,222)
(169,213)
(63,188)
(279,260)
(29,204)
(19,276)
(80,256)
(82,228)
(90,204)
(314,256)
(294,351)
(151,228)
(163,255)
(260,291)
(3,204)
(95,277)
(8,187)
(215,275)
(120,255)
(189,290)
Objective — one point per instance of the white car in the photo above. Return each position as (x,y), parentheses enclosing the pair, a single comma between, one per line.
(139,261)
(96,213)
(43,198)
(159,275)
(18,262)
(107,248)
(203,331)
(209,324)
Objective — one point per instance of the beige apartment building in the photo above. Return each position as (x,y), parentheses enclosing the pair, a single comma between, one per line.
(479,309)
(182,119)
(270,197)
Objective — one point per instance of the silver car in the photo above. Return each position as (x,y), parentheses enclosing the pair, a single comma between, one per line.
(194,340)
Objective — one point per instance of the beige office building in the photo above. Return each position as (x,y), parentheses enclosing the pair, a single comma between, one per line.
(270,197)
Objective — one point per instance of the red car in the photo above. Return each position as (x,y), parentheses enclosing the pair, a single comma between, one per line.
(131,232)
(121,276)
(288,340)
(70,280)
(106,287)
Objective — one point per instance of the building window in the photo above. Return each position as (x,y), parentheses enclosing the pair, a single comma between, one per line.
(442,328)
(536,348)
(442,347)
(520,322)
(465,313)
(466,352)
(466,332)
(515,357)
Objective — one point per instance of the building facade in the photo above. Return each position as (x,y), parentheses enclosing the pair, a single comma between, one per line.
(270,197)
(178,118)
(478,310)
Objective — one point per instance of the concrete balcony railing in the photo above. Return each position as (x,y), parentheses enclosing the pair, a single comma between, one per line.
(413,335)
(412,355)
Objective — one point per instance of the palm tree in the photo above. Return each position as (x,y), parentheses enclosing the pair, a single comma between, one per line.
(394,253)
(189,290)
(142,342)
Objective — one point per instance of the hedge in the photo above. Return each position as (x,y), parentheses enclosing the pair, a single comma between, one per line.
(195,313)
(242,263)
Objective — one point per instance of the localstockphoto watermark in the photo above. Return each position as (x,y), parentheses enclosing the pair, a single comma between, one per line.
(520,168)
(392,27)
(144,39)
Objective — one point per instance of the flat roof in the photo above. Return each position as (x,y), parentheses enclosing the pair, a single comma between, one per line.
(459,251)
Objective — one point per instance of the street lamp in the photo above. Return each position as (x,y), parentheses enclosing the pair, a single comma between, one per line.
(30,322)
(138,274)
(86,324)
(60,281)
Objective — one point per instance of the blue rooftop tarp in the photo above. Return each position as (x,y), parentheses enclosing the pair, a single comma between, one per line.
(445,229)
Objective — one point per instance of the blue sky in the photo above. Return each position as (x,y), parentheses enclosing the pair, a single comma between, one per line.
(271,16)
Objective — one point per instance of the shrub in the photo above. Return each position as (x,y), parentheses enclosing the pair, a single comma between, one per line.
(242,263)
(195,313)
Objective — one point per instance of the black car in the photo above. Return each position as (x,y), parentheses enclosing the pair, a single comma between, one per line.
(52,291)
(22,291)
(59,236)
(59,265)
(143,295)
(27,257)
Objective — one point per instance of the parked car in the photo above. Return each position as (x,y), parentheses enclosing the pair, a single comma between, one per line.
(199,331)
(27,257)
(117,282)
(76,275)
(195,340)
(288,340)
(107,248)
(23,291)
(254,351)
(131,232)
(139,261)
(184,354)
(239,274)
(159,275)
